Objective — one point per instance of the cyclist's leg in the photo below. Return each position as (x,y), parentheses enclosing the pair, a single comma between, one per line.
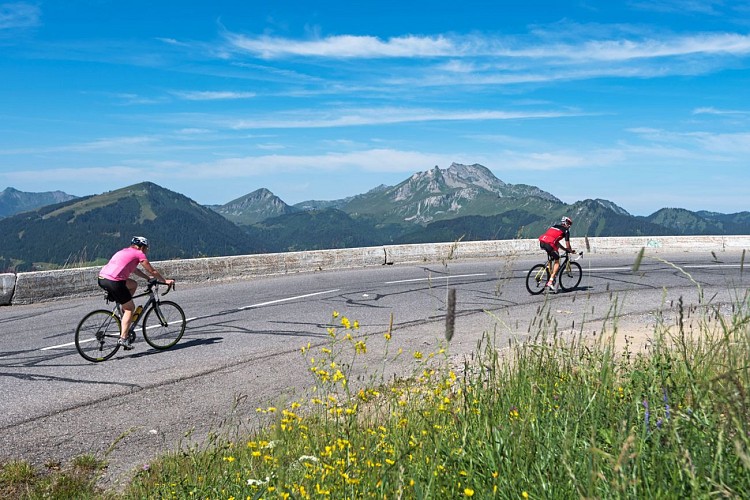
(121,293)
(553,259)
(127,316)
(555,268)
(132,285)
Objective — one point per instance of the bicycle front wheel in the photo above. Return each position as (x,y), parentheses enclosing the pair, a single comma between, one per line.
(164,325)
(537,278)
(570,277)
(97,335)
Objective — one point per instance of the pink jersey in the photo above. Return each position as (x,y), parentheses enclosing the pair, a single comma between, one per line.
(122,264)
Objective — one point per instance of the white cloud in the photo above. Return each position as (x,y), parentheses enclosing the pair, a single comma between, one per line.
(696,145)
(115,173)
(381,116)
(715,111)
(346,46)
(19,15)
(110,145)
(212,95)
(372,160)
(414,47)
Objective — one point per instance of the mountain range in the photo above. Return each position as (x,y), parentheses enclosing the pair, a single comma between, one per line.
(461,202)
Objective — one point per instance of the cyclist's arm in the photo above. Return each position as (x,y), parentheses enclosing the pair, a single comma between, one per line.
(567,243)
(154,273)
(140,273)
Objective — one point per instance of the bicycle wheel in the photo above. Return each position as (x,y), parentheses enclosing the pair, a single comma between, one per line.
(537,278)
(97,334)
(163,325)
(570,278)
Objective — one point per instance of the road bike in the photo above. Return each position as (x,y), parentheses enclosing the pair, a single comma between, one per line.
(163,323)
(568,276)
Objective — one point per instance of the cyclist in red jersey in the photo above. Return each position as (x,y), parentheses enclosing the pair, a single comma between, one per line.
(550,243)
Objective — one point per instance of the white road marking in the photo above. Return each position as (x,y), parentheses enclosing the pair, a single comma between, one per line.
(688,266)
(434,278)
(252,306)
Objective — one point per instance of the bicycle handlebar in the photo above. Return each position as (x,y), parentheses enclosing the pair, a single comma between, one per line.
(574,252)
(153,282)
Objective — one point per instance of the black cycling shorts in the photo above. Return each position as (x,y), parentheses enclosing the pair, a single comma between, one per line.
(551,252)
(118,290)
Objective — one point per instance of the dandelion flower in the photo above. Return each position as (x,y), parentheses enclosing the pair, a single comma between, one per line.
(468,492)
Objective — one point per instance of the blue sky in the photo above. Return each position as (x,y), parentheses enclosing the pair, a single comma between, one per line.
(645,103)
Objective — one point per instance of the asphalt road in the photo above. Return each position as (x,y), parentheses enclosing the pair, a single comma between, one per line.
(241,348)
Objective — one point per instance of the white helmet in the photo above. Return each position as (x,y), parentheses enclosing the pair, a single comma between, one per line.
(140,241)
(566,221)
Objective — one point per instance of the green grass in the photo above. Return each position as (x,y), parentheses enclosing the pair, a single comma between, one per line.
(552,417)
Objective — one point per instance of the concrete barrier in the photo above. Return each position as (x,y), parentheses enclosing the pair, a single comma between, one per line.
(40,286)
(7,286)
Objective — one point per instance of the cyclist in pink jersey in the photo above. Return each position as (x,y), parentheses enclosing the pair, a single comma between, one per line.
(115,278)
(550,243)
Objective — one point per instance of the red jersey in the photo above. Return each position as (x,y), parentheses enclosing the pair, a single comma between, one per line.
(554,234)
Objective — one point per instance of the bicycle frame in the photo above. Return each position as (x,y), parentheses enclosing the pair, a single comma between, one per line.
(564,266)
(153,301)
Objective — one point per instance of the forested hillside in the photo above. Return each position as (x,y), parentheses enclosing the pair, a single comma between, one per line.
(89,230)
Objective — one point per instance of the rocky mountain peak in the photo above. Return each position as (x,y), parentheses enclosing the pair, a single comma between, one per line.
(254,207)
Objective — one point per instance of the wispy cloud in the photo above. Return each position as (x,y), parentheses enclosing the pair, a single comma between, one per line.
(444,46)
(715,111)
(729,143)
(369,160)
(19,15)
(107,145)
(346,46)
(710,7)
(212,95)
(383,116)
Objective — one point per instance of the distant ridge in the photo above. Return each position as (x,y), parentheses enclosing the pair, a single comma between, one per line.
(13,201)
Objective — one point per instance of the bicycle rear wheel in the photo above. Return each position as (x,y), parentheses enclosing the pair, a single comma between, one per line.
(97,334)
(570,278)
(537,278)
(163,325)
